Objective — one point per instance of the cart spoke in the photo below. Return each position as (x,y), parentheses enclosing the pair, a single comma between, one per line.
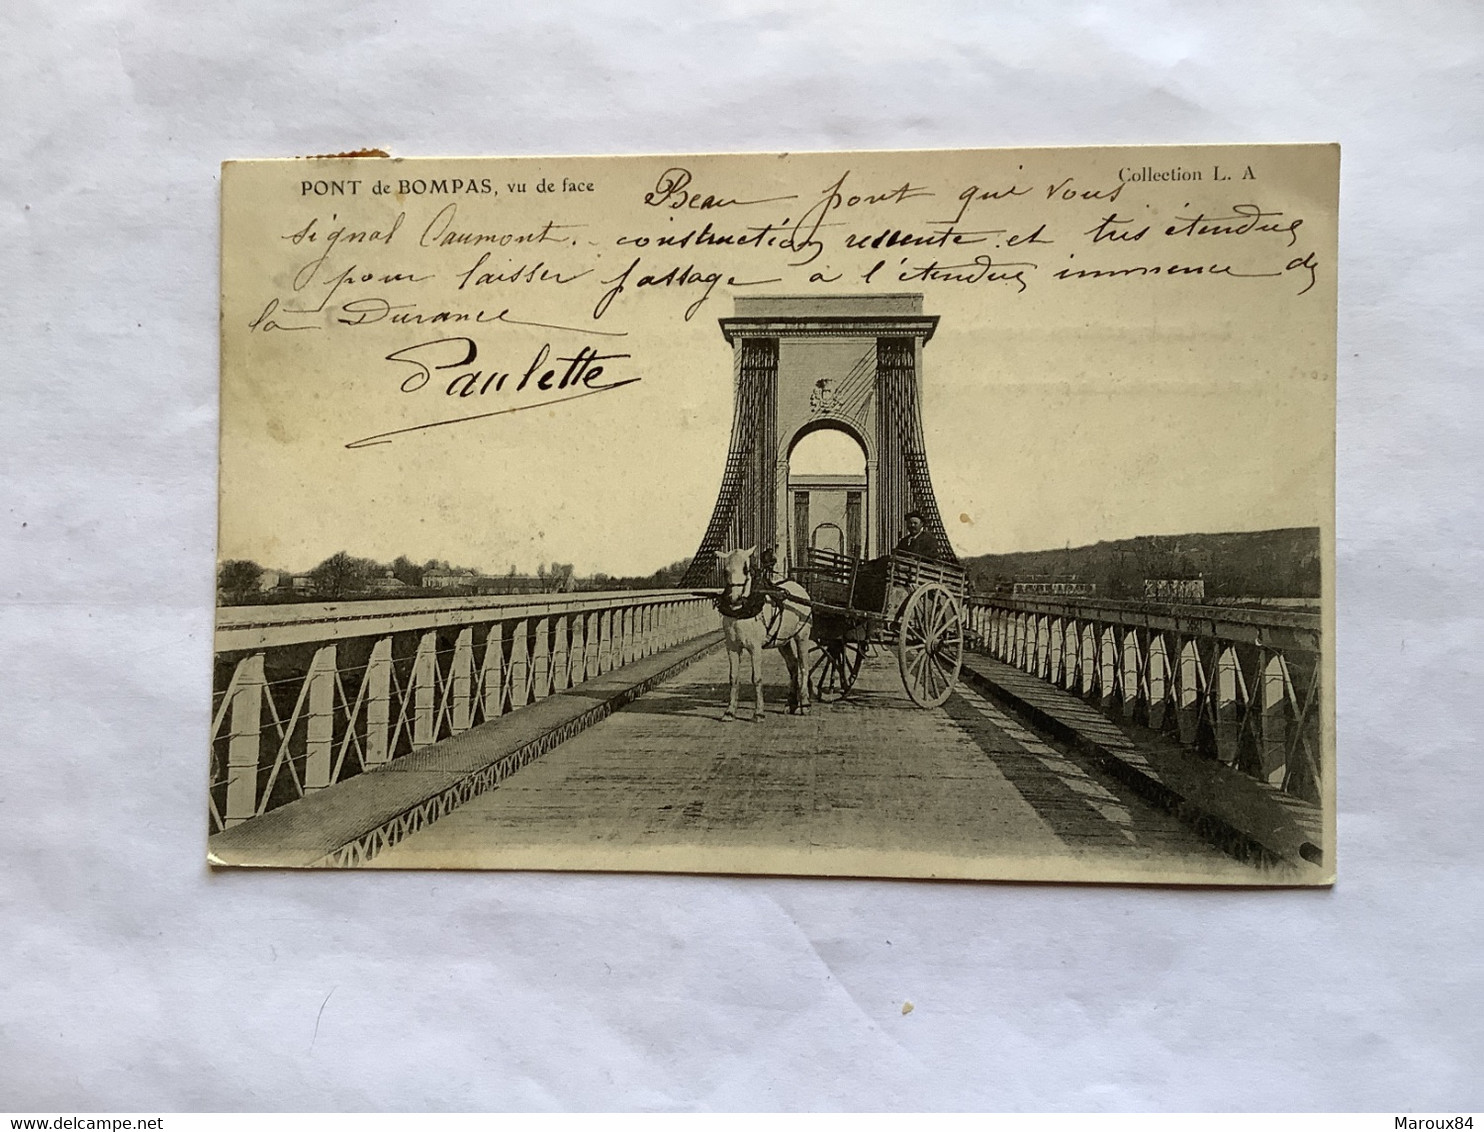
(942,673)
(942,611)
(930,677)
(833,672)
(915,664)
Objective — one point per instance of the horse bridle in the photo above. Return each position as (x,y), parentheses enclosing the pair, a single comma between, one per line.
(746,584)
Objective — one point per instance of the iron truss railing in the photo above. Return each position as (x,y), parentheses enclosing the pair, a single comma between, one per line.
(306,696)
(1242,686)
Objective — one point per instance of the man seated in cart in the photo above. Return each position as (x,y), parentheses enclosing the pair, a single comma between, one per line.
(918,540)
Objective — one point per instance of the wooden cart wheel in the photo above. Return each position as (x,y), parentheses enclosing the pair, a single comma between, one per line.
(835,667)
(930,644)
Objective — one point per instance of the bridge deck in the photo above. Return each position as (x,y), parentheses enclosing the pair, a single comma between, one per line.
(863,786)
(1250,819)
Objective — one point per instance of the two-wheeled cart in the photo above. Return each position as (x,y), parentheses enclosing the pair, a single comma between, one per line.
(910,604)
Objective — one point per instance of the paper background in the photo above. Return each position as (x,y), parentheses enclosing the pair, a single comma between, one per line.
(133,979)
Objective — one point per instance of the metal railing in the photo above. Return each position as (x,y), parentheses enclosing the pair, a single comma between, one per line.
(306,696)
(1242,686)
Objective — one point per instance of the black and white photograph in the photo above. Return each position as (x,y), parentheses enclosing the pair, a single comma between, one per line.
(929,514)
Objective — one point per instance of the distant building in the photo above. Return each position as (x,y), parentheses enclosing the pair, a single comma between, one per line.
(493,584)
(1056,585)
(448,579)
(385,582)
(1174,589)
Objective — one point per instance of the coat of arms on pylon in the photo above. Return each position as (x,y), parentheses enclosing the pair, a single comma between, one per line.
(824,399)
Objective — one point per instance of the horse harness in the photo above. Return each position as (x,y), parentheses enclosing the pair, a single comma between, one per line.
(751,603)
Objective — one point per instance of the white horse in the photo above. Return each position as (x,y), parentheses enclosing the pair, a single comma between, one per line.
(752,621)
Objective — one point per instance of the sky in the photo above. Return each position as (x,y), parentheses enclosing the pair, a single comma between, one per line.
(1056,410)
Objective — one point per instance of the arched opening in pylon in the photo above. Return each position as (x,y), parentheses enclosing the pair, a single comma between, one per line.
(828,494)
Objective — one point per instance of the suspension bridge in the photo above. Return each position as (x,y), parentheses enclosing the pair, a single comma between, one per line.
(1081,737)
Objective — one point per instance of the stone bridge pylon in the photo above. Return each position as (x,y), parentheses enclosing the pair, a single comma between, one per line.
(802,364)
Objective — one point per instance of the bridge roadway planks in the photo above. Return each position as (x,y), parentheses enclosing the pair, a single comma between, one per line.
(871,785)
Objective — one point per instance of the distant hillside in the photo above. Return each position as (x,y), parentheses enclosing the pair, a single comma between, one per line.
(1281,563)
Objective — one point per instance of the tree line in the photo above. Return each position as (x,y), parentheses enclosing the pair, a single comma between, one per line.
(1240,564)
(343,575)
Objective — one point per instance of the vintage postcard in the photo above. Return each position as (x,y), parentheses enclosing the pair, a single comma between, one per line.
(961,514)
